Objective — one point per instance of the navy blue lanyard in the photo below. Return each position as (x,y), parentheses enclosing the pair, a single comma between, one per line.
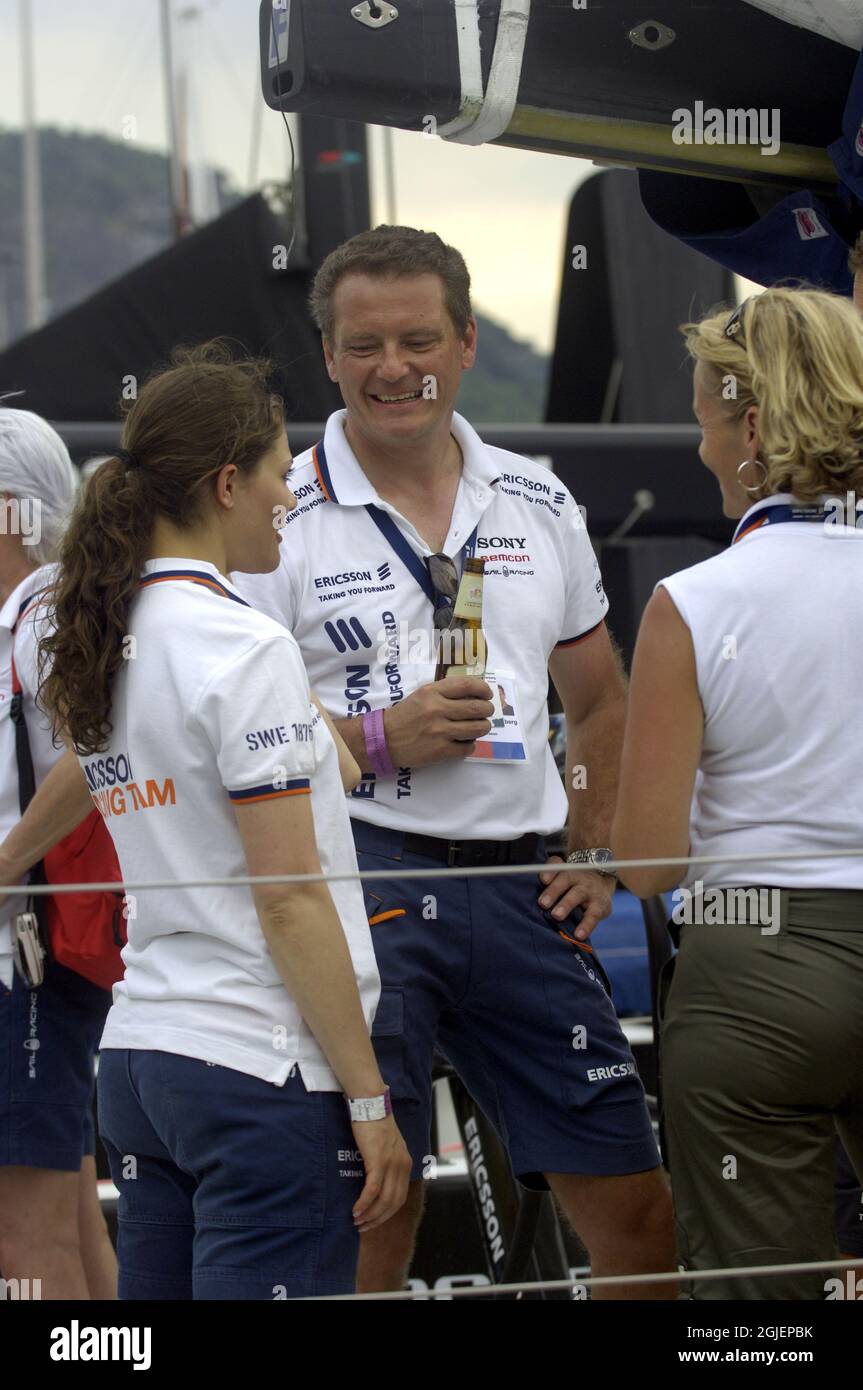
(408,556)
(391,533)
(777,513)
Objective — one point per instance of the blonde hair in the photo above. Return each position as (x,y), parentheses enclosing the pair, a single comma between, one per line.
(797,356)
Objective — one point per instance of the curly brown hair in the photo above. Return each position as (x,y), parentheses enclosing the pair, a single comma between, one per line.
(207,409)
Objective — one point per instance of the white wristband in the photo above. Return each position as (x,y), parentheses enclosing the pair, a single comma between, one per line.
(370,1107)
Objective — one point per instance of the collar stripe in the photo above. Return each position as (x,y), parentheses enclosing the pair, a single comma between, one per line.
(193,577)
(32,602)
(774,513)
(322,470)
(753,526)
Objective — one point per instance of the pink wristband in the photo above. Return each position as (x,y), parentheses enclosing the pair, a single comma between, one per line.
(376,744)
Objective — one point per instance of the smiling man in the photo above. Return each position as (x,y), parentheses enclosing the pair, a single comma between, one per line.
(489,971)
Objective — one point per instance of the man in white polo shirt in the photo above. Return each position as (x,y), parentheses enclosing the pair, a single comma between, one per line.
(389,504)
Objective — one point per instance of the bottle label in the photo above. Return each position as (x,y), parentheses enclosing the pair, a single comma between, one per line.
(463,652)
(478,671)
(469,601)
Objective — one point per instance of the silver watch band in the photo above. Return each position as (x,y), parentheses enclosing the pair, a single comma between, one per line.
(594,859)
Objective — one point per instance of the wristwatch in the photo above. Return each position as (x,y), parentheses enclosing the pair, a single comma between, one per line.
(593,859)
(370,1107)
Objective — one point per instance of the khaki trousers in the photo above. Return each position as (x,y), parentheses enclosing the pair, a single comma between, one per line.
(762,1062)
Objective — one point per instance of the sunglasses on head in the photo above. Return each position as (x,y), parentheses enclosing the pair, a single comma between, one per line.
(734,327)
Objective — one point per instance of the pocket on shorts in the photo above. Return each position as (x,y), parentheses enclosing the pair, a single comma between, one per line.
(388,1041)
(381,906)
(585,954)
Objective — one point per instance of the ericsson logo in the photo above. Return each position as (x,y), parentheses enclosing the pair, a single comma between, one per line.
(560,498)
(384,571)
(347,634)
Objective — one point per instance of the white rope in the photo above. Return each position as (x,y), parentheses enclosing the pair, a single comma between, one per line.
(481,117)
(481,871)
(604,1281)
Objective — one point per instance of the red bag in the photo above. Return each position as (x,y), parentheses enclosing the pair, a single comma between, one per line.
(87,930)
(84,931)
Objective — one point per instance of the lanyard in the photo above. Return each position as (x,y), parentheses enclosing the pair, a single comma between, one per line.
(391,533)
(408,556)
(777,513)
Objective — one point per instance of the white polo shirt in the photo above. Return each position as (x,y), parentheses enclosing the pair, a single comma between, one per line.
(213,707)
(775,623)
(21,608)
(364,623)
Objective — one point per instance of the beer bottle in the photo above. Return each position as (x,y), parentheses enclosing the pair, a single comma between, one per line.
(462,650)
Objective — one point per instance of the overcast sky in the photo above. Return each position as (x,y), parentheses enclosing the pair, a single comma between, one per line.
(98,62)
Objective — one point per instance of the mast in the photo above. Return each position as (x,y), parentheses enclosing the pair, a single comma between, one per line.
(33,230)
(179,213)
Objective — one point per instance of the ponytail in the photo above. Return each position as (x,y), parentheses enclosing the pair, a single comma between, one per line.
(205,411)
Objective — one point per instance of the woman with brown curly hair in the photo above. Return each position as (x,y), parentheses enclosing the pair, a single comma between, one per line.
(243,1013)
(742,740)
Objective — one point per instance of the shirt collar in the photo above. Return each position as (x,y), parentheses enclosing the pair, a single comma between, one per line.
(753,519)
(344,481)
(20,596)
(197,571)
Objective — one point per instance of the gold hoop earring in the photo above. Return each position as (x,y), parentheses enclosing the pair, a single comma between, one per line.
(745,464)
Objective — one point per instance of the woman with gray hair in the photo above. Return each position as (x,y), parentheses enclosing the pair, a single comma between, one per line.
(51,1225)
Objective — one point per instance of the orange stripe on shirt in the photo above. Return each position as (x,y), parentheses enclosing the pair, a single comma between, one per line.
(319,474)
(754,527)
(268,796)
(172,579)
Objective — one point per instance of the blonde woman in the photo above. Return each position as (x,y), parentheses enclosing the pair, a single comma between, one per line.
(742,740)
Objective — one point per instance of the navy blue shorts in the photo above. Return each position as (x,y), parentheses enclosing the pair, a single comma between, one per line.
(230,1187)
(474,969)
(48,1042)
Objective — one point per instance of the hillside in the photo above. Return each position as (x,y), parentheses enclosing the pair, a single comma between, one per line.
(106,210)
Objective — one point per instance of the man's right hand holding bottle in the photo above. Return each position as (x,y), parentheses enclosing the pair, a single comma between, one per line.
(439,722)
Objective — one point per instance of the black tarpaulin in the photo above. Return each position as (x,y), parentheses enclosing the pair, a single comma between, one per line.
(618,354)
(219,282)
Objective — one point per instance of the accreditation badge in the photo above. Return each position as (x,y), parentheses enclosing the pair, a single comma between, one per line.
(504,743)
